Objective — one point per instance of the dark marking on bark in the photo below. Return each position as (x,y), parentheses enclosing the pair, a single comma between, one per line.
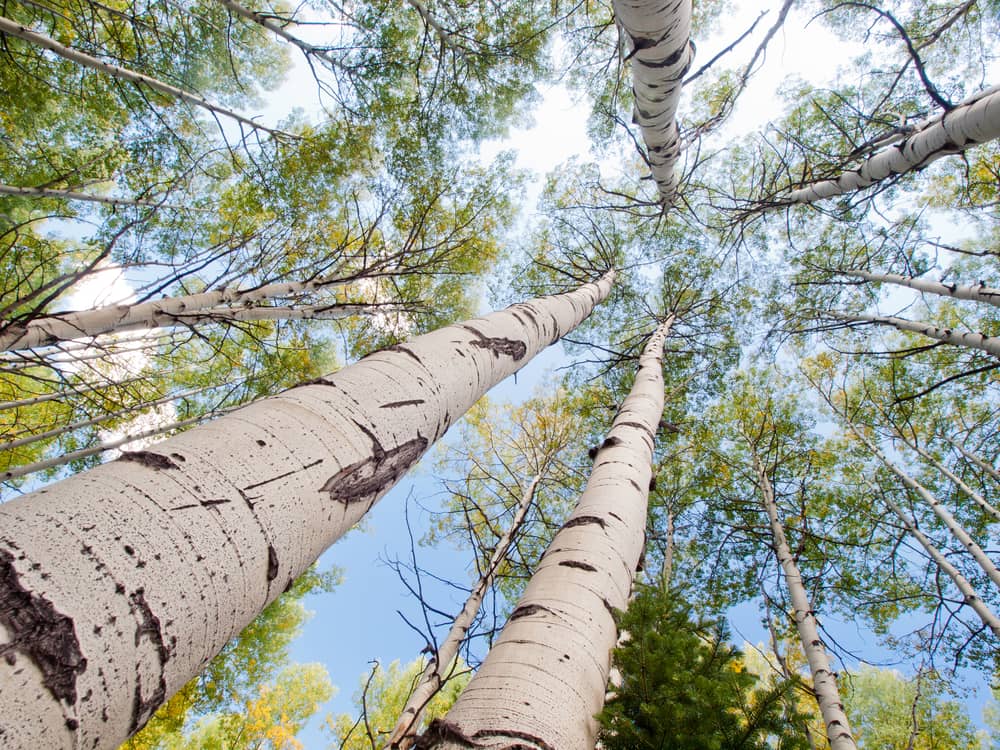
(577,564)
(148,626)
(40,632)
(178,456)
(526,610)
(404,350)
(652,483)
(511,347)
(537,743)
(379,471)
(611,610)
(397,404)
(147,458)
(592,453)
(440,730)
(261,443)
(611,442)
(272,563)
(615,515)
(668,427)
(636,425)
(315,381)
(635,484)
(317,462)
(583,521)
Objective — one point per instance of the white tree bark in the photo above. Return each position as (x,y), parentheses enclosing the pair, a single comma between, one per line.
(956,480)
(162,313)
(72,195)
(545,677)
(974,121)
(119,584)
(661,54)
(980,293)
(404,734)
(990,470)
(969,595)
(988,566)
(967,339)
(14,29)
(838,728)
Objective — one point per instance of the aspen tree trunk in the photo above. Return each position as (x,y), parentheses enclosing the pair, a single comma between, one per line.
(545,677)
(14,29)
(36,192)
(969,340)
(974,121)
(404,734)
(119,584)
(279,30)
(661,54)
(988,566)
(976,460)
(189,309)
(956,480)
(969,595)
(980,293)
(838,728)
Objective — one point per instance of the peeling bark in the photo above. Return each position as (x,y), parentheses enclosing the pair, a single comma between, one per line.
(974,121)
(545,677)
(660,34)
(838,728)
(246,506)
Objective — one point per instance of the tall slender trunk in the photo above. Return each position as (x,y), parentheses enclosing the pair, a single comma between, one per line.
(661,54)
(980,293)
(984,465)
(279,30)
(404,734)
(838,728)
(974,121)
(119,584)
(72,195)
(667,570)
(14,29)
(969,340)
(545,677)
(188,309)
(988,566)
(969,595)
(955,479)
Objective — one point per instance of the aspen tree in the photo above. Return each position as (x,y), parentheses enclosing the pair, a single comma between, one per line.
(545,677)
(118,584)
(838,728)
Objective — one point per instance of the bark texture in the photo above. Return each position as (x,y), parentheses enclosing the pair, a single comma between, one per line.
(119,584)
(974,121)
(838,728)
(969,595)
(957,481)
(660,34)
(990,344)
(545,677)
(977,293)
(404,734)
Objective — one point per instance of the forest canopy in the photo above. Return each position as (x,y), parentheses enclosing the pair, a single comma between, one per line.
(243,249)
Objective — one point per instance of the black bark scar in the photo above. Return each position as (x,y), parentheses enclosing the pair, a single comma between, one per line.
(535,740)
(511,347)
(526,610)
(377,472)
(583,520)
(397,404)
(148,626)
(576,564)
(439,731)
(147,458)
(272,563)
(40,632)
